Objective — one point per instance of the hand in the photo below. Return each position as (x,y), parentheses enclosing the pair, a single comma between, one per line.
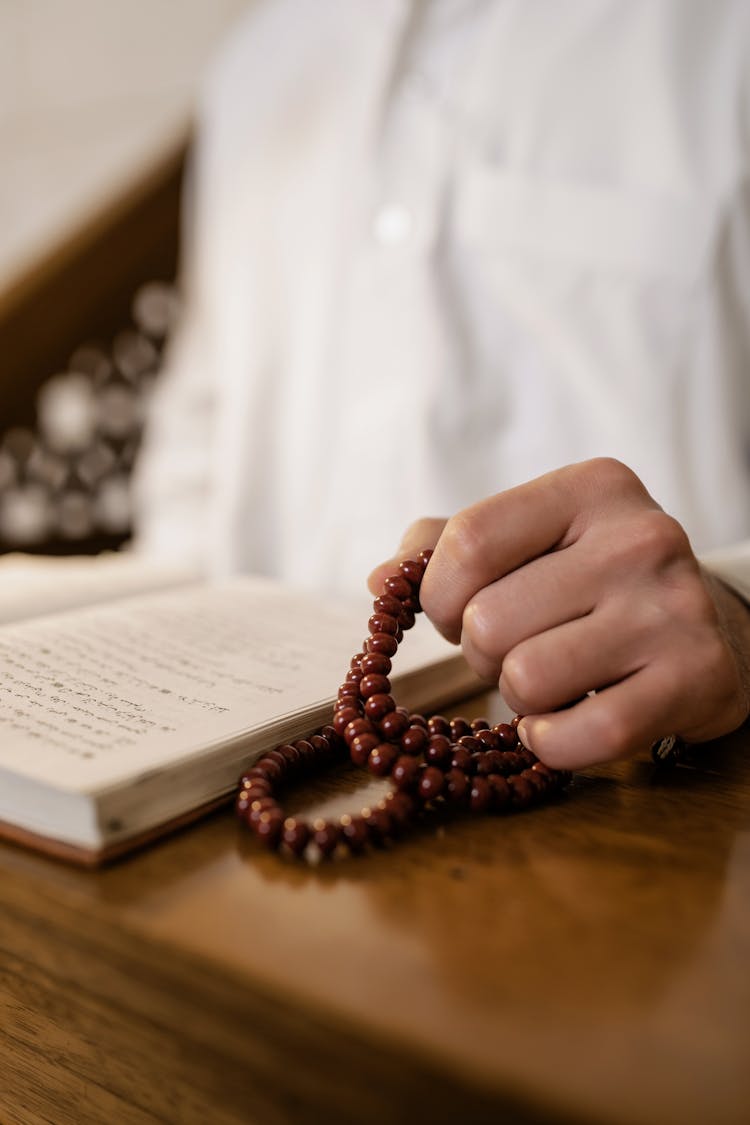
(579,582)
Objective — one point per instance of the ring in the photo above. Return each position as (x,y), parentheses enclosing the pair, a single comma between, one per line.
(668,750)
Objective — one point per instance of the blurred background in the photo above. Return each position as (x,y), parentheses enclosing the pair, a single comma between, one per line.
(96,102)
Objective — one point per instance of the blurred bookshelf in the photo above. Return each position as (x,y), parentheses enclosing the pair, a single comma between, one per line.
(96,103)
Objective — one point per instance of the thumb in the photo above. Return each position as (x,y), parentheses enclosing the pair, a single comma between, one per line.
(422,535)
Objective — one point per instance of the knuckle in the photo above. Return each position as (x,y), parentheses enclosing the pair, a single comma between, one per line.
(464,538)
(518,679)
(607,475)
(613,733)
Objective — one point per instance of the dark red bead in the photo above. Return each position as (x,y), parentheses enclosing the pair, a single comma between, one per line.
(376,663)
(459,729)
(438,724)
(268,828)
(471,743)
(326,835)
(490,762)
(258,807)
(353,676)
(430,783)
(515,721)
(401,807)
(412,571)
(507,735)
(270,769)
(522,792)
(251,781)
(361,748)
(373,684)
(500,793)
(378,706)
(386,603)
(406,618)
(343,717)
(296,835)
(535,780)
(479,724)
(383,623)
(405,772)
(379,823)
(424,557)
(356,660)
(245,798)
(381,759)
(355,727)
(354,832)
(456,786)
(417,720)
(393,725)
(461,759)
(489,739)
(414,740)
(398,586)
(439,751)
(383,643)
(479,796)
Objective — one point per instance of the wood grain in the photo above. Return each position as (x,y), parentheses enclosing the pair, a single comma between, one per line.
(583,962)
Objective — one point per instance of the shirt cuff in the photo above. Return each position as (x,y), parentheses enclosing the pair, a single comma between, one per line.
(732,566)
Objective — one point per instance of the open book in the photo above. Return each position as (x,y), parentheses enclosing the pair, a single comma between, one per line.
(122,719)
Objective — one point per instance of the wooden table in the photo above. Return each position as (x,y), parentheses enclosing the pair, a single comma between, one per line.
(584,962)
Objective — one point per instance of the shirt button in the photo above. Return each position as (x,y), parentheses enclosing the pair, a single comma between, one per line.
(393,224)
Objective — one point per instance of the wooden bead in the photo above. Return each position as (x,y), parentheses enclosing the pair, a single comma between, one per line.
(401,808)
(376,663)
(489,739)
(398,586)
(326,835)
(456,786)
(355,727)
(344,716)
(296,835)
(405,772)
(386,603)
(438,751)
(479,795)
(354,832)
(414,740)
(374,684)
(378,706)
(459,729)
(430,784)
(522,792)
(438,724)
(471,743)
(412,571)
(393,725)
(383,623)
(461,759)
(383,643)
(362,746)
(507,735)
(500,794)
(381,759)
(268,828)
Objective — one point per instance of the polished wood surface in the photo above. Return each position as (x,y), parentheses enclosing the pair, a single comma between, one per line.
(584,962)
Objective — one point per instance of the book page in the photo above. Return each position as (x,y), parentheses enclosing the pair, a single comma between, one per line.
(33,585)
(93,697)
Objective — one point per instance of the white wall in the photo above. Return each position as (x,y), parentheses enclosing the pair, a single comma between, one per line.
(91,92)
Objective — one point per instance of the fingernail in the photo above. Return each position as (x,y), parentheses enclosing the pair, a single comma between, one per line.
(524,734)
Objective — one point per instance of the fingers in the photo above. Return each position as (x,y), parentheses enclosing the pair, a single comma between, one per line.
(497,536)
(630,716)
(420,536)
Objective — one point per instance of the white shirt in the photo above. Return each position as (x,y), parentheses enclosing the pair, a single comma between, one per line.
(435,249)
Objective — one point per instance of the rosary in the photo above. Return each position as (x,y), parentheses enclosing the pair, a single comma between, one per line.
(433,762)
